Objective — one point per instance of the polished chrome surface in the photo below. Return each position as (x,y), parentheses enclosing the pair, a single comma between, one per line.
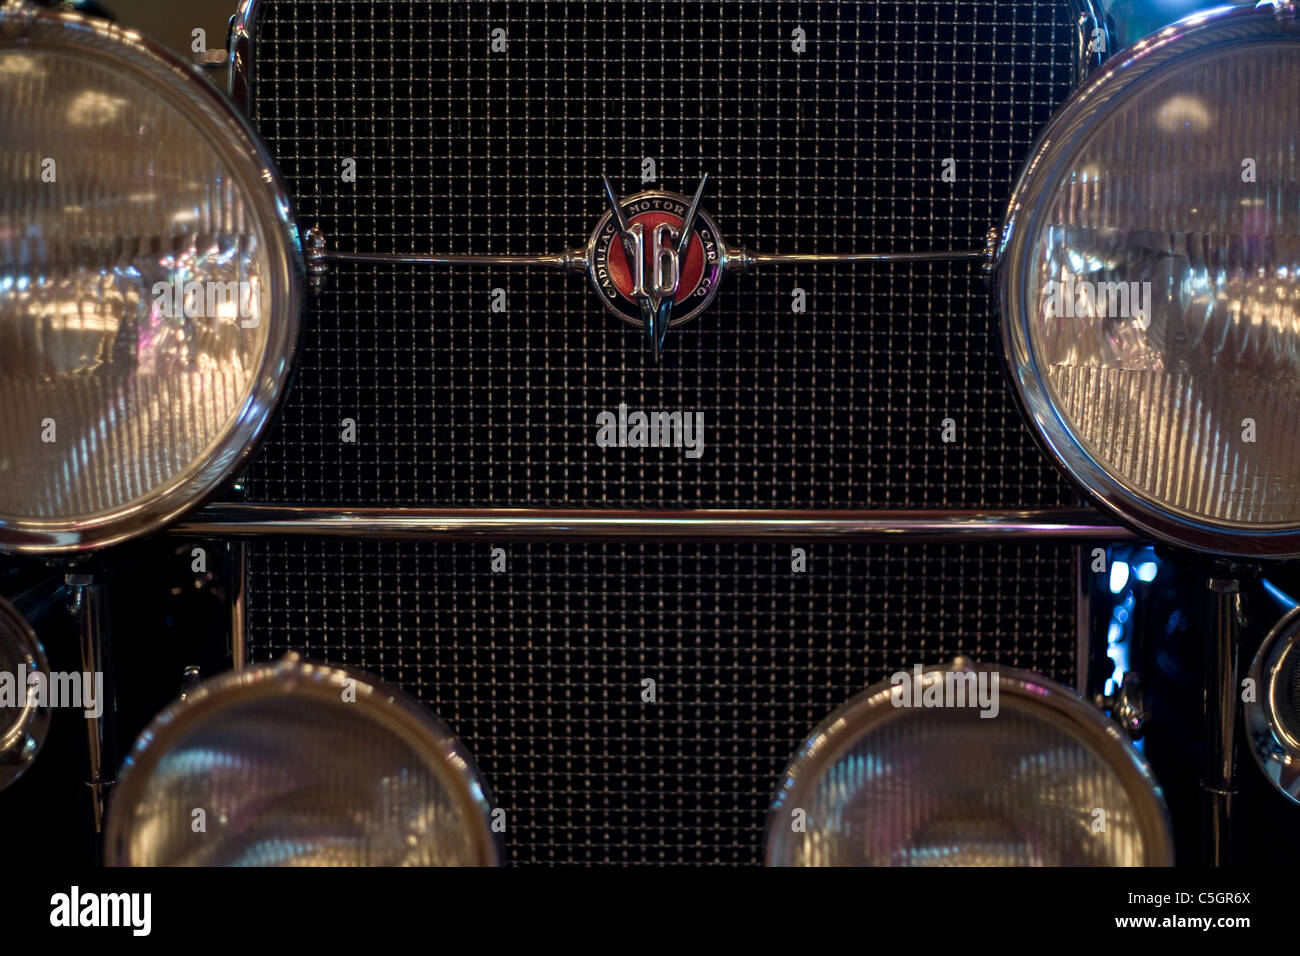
(24,722)
(1148,411)
(237,584)
(243,520)
(744,260)
(563,260)
(1094,37)
(120,412)
(299,764)
(239,79)
(1272,717)
(86,605)
(1222,693)
(886,785)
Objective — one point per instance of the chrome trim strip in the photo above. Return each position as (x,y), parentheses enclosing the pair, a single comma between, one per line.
(564,260)
(239,75)
(750,260)
(250,520)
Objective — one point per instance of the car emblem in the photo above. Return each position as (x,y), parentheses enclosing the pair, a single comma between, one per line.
(654,254)
(656,259)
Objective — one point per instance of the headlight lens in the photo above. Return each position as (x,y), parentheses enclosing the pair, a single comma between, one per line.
(1044,781)
(1151,285)
(298,764)
(148,285)
(24,718)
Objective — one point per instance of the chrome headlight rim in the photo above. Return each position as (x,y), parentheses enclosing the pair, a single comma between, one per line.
(21,741)
(392,707)
(172,79)
(1238,26)
(1034,693)
(1276,751)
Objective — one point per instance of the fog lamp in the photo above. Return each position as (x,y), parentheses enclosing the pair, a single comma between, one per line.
(1272,712)
(1150,284)
(24,718)
(149,284)
(967,766)
(299,764)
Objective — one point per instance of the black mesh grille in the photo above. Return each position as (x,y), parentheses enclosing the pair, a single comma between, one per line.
(838,148)
(540,669)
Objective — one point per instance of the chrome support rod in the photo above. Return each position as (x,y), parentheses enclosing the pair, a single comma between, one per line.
(1222,640)
(249,520)
(236,586)
(565,260)
(237,571)
(746,260)
(86,605)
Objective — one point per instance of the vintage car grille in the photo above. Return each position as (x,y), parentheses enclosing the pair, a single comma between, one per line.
(838,148)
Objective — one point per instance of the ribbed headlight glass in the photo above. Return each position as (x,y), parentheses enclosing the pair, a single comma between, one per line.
(298,764)
(148,288)
(1153,286)
(1037,781)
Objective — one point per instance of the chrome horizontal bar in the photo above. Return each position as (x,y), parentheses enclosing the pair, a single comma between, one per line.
(558,261)
(250,520)
(774,258)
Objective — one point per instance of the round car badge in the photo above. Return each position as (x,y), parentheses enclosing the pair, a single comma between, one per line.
(654,224)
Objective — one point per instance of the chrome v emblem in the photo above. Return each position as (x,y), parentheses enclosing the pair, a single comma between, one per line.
(656,296)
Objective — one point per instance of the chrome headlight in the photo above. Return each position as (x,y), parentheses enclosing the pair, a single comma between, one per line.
(1272,714)
(24,717)
(298,764)
(149,284)
(1150,284)
(968,766)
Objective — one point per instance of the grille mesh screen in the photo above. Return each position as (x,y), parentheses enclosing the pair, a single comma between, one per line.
(838,148)
(540,669)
